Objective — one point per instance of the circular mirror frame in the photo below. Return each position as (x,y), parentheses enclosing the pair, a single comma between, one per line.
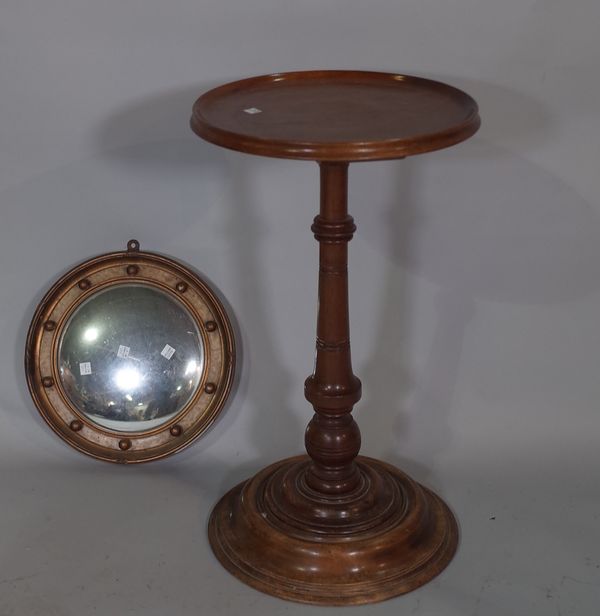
(53,314)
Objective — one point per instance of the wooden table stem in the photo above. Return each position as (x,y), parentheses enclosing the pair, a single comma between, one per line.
(332,437)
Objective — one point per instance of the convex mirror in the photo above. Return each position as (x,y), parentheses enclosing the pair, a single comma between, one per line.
(130,356)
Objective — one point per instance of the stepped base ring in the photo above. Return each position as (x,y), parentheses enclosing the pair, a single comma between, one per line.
(393,537)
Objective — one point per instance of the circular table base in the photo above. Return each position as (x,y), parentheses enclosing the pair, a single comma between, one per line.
(390,536)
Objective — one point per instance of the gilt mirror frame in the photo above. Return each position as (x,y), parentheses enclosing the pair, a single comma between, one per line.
(87,280)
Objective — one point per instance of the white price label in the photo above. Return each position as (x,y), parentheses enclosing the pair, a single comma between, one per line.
(85,368)
(123,351)
(167,351)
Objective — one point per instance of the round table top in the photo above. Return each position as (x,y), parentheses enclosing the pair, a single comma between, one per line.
(335,115)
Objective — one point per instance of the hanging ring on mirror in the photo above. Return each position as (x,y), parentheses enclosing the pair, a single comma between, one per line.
(130,356)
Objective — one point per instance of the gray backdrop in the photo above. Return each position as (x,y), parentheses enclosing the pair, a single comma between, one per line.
(475,289)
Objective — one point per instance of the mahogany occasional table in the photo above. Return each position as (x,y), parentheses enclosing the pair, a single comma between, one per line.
(333,528)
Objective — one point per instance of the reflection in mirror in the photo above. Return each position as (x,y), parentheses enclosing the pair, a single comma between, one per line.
(131,357)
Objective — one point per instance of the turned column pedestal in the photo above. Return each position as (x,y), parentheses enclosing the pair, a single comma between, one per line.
(333,527)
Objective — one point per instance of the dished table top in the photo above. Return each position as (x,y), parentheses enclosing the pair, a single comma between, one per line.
(335,115)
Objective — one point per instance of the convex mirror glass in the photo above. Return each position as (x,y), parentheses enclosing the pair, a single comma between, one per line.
(130,358)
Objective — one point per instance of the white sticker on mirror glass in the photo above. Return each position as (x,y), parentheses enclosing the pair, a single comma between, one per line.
(123,351)
(85,368)
(167,351)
